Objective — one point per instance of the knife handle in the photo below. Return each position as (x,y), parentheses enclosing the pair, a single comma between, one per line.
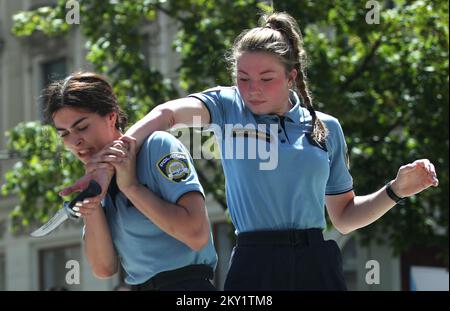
(92,190)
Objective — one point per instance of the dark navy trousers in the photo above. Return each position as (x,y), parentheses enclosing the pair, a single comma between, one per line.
(188,278)
(285,260)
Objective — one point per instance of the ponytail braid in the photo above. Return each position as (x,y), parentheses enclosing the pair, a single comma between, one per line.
(319,130)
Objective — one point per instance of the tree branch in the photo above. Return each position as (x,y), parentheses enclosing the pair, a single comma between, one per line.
(363,65)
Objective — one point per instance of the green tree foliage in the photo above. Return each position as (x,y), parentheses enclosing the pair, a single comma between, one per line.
(386,82)
(44,168)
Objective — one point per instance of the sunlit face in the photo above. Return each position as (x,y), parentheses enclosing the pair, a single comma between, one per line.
(263,84)
(85,133)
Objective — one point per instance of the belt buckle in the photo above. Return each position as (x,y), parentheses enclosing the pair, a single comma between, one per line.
(296,237)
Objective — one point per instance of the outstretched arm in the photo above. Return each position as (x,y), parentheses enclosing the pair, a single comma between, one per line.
(349,212)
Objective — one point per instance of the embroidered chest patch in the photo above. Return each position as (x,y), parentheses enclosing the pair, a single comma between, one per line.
(243,132)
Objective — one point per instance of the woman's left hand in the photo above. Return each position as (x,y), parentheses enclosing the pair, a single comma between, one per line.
(125,166)
(414,178)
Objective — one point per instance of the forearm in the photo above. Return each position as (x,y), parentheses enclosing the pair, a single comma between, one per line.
(159,119)
(179,222)
(99,247)
(183,112)
(364,210)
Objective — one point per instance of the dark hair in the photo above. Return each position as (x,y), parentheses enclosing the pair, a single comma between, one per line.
(86,90)
(280,36)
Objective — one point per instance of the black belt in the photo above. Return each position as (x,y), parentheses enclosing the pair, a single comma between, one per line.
(281,237)
(166,278)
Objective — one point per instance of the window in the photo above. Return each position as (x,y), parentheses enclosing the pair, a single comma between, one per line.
(53,271)
(223,242)
(2,272)
(53,70)
(40,3)
(424,268)
(2,40)
(349,253)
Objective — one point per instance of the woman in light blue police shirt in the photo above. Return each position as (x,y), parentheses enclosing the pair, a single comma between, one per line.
(153,221)
(276,199)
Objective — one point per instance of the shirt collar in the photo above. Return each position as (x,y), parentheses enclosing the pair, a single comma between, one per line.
(295,114)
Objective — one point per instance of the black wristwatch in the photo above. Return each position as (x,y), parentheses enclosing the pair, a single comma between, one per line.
(393,196)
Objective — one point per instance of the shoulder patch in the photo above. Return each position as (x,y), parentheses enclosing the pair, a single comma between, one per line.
(174,166)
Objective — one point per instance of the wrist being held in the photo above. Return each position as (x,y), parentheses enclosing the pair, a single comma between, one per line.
(129,189)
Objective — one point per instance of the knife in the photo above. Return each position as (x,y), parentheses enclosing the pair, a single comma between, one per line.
(66,211)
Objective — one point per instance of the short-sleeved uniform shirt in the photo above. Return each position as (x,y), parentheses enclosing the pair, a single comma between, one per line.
(286,187)
(165,167)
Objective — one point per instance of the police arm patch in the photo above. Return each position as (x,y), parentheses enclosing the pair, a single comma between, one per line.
(174,166)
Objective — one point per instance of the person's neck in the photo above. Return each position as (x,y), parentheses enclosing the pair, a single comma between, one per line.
(286,109)
(117,134)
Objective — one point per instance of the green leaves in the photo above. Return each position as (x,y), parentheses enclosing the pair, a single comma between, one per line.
(50,21)
(39,174)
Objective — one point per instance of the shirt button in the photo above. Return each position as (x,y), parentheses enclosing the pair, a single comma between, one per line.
(283,141)
(279,130)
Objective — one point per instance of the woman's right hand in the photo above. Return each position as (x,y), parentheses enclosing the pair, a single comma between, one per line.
(96,168)
(102,158)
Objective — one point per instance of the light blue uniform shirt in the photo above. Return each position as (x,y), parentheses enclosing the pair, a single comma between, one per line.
(165,167)
(292,194)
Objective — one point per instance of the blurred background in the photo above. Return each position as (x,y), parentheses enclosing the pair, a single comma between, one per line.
(380,67)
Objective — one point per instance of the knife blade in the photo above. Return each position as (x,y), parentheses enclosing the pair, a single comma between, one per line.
(67,211)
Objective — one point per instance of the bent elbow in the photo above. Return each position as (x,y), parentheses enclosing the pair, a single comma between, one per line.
(199,240)
(104,272)
(342,229)
(167,114)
